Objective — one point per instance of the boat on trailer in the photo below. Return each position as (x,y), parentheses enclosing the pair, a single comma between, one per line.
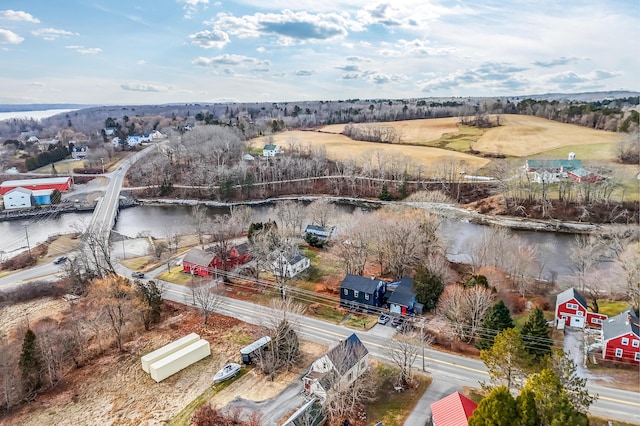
(228,371)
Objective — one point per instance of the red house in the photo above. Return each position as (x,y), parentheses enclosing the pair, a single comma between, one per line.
(203,263)
(572,311)
(452,410)
(621,338)
(60,183)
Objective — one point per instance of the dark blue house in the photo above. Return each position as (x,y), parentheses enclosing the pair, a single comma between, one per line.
(356,290)
(403,299)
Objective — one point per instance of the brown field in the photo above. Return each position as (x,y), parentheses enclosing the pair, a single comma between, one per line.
(523,135)
(340,147)
(413,131)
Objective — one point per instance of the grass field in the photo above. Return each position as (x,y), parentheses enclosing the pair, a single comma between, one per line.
(524,135)
(413,131)
(340,147)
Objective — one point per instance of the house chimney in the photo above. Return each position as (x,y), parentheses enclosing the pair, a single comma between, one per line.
(373,277)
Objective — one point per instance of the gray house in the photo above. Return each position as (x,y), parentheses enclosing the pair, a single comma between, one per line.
(403,299)
(356,290)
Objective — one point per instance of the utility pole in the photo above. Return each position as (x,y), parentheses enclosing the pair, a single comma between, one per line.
(102,160)
(27,234)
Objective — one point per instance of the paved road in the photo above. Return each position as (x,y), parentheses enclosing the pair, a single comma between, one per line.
(44,272)
(445,368)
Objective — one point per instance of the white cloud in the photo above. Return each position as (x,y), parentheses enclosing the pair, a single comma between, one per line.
(9,37)
(85,50)
(141,62)
(228,60)
(51,34)
(191,7)
(209,39)
(304,73)
(404,48)
(261,49)
(288,27)
(18,15)
(143,87)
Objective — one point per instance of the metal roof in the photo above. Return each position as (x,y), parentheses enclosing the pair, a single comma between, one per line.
(568,294)
(255,345)
(403,294)
(621,324)
(199,257)
(32,182)
(452,410)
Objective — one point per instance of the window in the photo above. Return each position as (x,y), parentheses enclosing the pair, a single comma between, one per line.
(356,293)
(618,353)
(637,357)
(625,341)
(572,306)
(596,321)
(349,376)
(362,364)
(346,292)
(579,313)
(635,343)
(366,296)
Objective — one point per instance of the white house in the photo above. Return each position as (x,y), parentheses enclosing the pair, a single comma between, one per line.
(271,150)
(115,141)
(157,135)
(133,140)
(18,198)
(339,367)
(290,265)
(33,139)
(80,152)
(248,157)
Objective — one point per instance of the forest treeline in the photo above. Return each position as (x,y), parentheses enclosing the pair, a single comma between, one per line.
(255,119)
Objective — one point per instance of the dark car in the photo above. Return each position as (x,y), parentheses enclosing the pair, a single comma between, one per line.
(397,321)
(383,319)
(137,274)
(59,260)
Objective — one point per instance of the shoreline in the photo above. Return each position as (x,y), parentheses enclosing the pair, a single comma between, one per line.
(439,209)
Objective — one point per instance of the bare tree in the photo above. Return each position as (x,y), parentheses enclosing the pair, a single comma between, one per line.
(223,229)
(403,351)
(206,296)
(291,215)
(354,243)
(284,349)
(321,212)
(465,309)
(114,295)
(199,221)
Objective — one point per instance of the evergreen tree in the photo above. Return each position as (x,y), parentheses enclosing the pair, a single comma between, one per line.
(552,402)
(498,408)
(497,320)
(535,335)
(526,403)
(507,360)
(428,287)
(385,195)
(30,363)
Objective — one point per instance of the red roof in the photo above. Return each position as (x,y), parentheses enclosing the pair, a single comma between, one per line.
(452,410)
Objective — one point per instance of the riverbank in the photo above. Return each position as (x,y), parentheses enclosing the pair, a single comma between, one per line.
(440,209)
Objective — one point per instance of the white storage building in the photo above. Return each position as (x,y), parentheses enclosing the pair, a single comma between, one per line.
(18,198)
(179,360)
(167,350)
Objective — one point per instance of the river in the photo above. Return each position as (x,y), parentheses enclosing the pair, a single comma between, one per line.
(158,221)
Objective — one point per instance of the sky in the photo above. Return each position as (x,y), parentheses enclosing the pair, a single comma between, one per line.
(164,51)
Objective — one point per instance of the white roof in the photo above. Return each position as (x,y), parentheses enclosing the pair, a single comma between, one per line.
(31,182)
(39,192)
(20,189)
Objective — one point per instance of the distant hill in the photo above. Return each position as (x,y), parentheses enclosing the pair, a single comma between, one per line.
(583,97)
(39,107)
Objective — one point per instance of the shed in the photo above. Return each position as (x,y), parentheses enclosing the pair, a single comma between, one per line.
(42,197)
(167,350)
(18,198)
(179,360)
(452,410)
(60,183)
(248,351)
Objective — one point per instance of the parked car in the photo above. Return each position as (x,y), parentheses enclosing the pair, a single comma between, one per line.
(137,274)
(397,321)
(383,319)
(59,260)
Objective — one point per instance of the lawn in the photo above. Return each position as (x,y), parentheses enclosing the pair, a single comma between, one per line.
(611,308)
(183,418)
(176,276)
(392,408)
(340,147)
(524,135)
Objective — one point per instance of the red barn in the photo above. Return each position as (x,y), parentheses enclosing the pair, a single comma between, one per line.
(621,338)
(452,410)
(571,308)
(60,183)
(203,263)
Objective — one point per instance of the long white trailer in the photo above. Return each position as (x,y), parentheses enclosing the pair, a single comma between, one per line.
(179,360)
(167,350)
